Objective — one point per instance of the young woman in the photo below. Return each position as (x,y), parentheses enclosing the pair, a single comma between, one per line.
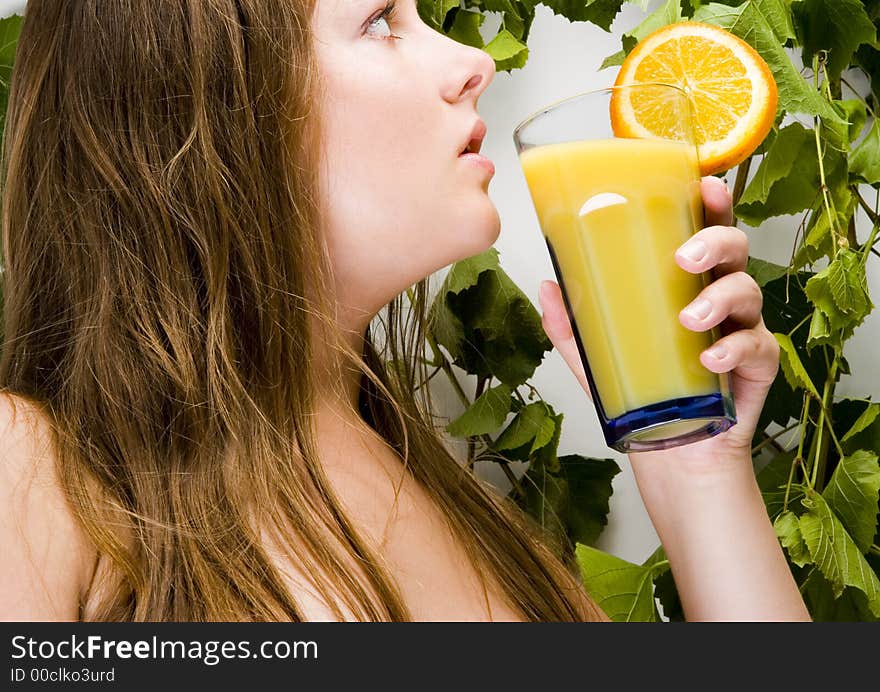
(206,204)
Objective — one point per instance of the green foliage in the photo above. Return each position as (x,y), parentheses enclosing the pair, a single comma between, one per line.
(833,551)
(852,494)
(490,330)
(487,324)
(792,368)
(838,27)
(10,28)
(821,493)
(623,590)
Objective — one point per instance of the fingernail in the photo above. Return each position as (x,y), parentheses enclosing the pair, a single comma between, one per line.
(694,250)
(699,309)
(717,352)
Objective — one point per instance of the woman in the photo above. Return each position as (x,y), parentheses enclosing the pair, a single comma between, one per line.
(205,205)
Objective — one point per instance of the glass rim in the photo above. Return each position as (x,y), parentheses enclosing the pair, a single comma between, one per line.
(592,92)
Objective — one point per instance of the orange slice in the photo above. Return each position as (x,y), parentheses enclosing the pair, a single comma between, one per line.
(731,90)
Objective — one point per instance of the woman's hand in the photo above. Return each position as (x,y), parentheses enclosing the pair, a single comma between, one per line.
(747,350)
(699,492)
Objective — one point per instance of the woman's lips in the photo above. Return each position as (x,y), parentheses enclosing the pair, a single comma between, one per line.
(479,160)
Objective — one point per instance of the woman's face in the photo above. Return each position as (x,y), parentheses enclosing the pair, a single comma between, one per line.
(401,202)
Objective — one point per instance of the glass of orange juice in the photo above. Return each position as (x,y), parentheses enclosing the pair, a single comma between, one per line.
(613,211)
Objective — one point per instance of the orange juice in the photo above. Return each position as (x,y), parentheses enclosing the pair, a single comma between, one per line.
(613,213)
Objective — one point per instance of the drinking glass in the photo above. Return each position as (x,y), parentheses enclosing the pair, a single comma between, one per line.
(613,210)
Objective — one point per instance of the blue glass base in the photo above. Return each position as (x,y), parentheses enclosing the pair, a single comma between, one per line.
(670,423)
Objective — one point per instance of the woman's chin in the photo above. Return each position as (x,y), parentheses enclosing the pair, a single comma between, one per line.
(479,237)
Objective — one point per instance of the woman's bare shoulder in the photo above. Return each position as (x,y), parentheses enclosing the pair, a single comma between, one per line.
(46,555)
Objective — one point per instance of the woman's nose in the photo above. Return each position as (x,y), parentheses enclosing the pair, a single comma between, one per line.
(476,69)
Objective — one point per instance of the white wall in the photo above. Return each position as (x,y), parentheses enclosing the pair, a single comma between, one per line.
(564,60)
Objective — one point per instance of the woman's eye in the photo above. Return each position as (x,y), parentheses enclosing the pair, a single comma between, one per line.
(385,16)
(378,19)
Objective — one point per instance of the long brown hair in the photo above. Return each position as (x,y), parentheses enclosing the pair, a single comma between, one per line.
(163,264)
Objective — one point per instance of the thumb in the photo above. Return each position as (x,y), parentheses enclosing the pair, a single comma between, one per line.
(557,326)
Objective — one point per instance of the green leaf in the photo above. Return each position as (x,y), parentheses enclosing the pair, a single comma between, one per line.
(664,585)
(847,276)
(485,415)
(778,15)
(571,504)
(546,454)
(524,428)
(434,11)
(838,26)
(820,330)
(599,12)
(851,606)
(487,324)
(758,22)
(841,136)
(613,60)
(834,552)
(848,284)
(466,28)
(465,273)
(544,435)
(792,367)
(764,272)
(788,530)
(785,309)
(590,489)
(852,493)
(666,591)
(546,501)
(623,590)
(517,16)
(846,412)
(508,51)
(868,416)
(787,180)
(864,164)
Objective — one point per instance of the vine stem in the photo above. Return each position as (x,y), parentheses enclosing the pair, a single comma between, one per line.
(441,360)
(869,245)
(772,438)
(514,481)
(657,566)
(799,457)
(828,204)
(872,215)
(860,97)
(504,463)
(429,377)
(818,475)
(825,198)
(739,185)
(443,363)
(801,324)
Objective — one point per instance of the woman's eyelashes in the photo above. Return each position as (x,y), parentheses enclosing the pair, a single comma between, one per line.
(387,15)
